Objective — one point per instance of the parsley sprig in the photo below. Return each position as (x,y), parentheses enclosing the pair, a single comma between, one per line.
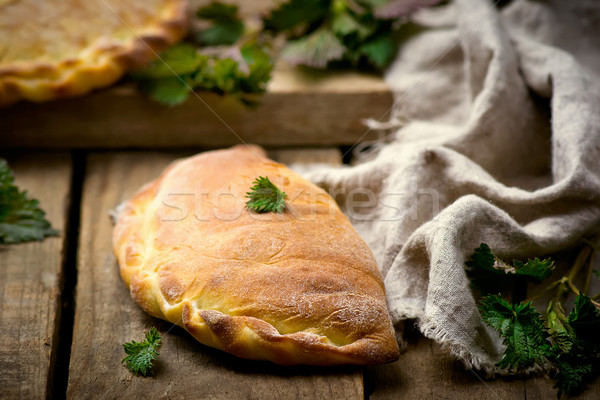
(569,345)
(264,196)
(140,355)
(21,218)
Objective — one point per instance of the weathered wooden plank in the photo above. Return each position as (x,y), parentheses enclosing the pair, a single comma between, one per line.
(328,155)
(300,108)
(542,388)
(106,317)
(425,371)
(30,277)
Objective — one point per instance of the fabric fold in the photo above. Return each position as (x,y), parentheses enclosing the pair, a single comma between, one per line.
(511,159)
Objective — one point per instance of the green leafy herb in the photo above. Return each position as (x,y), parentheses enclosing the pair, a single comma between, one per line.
(489,274)
(571,374)
(341,31)
(228,59)
(296,12)
(141,355)
(567,346)
(315,50)
(264,196)
(170,91)
(227,27)
(521,328)
(585,323)
(21,219)
(242,72)
(379,51)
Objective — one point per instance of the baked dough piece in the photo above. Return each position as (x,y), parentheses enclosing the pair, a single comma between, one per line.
(62,48)
(300,287)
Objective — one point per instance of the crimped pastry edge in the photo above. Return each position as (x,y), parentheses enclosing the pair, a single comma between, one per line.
(95,67)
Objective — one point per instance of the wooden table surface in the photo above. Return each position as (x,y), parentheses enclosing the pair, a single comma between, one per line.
(65,311)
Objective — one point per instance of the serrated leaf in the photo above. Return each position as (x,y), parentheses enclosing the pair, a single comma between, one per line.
(227,26)
(260,66)
(344,24)
(180,59)
(380,51)
(141,355)
(536,269)
(169,91)
(584,319)
(571,374)
(488,274)
(223,33)
(264,196)
(295,12)
(314,50)
(480,270)
(217,11)
(21,218)
(521,329)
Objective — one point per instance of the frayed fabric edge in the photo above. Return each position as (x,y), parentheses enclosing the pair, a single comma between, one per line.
(470,360)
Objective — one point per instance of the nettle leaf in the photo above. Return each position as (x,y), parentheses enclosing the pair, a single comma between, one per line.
(521,329)
(217,11)
(380,51)
(141,355)
(344,24)
(227,26)
(260,66)
(489,274)
(536,269)
(21,218)
(315,50)
(264,196)
(571,375)
(169,91)
(584,319)
(224,33)
(180,59)
(482,273)
(244,72)
(296,12)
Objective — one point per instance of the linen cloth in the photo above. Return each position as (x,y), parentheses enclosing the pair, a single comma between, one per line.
(495,138)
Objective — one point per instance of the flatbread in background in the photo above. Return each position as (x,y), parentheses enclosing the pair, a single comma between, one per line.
(297,287)
(63,48)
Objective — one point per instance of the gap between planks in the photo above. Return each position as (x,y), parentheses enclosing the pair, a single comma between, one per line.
(31,280)
(28,332)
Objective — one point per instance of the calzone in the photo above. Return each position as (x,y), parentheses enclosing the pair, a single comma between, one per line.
(296,287)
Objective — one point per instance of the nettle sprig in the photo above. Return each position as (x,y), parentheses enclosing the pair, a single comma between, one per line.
(567,344)
(264,196)
(229,58)
(21,218)
(218,59)
(342,32)
(141,355)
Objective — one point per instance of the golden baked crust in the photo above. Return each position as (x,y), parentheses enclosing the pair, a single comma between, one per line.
(300,287)
(61,48)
